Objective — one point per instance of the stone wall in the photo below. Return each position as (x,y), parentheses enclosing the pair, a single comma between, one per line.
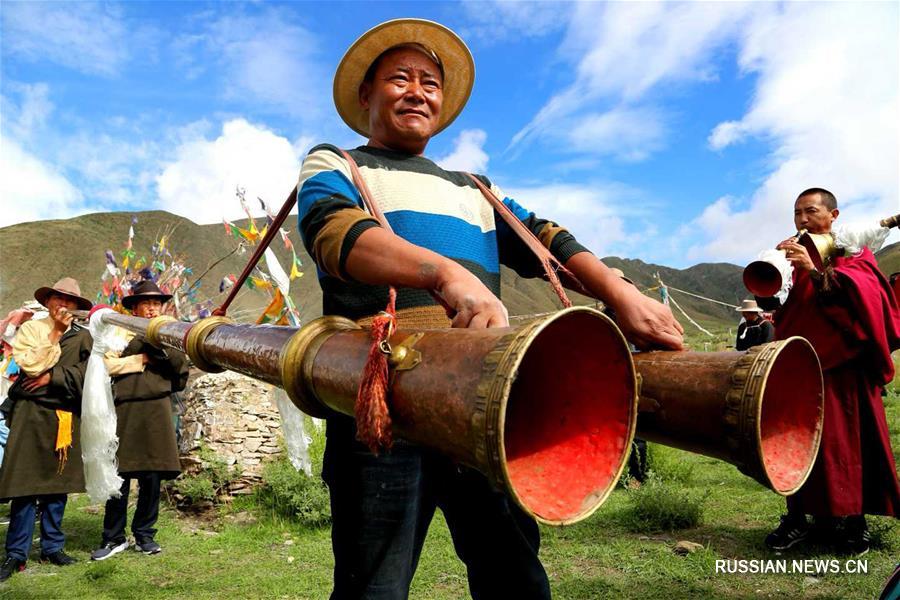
(233,416)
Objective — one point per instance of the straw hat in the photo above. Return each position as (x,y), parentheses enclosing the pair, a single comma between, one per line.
(144,290)
(748,306)
(66,287)
(459,68)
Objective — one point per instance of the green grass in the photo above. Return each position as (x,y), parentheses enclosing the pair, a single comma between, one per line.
(249,552)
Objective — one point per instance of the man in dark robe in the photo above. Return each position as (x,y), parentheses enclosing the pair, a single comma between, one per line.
(43,455)
(144,379)
(851,317)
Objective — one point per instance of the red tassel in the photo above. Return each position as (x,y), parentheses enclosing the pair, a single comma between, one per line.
(373,420)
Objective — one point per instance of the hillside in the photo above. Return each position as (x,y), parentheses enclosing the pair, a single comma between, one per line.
(39,253)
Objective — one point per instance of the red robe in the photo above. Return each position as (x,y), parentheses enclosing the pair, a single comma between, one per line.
(853,328)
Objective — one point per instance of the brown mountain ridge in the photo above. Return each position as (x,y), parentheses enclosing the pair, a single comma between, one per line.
(38,253)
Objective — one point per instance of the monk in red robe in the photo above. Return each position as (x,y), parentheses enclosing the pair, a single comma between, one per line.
(850,315)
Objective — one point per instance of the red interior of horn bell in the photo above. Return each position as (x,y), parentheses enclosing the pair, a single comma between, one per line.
(762,278)
(791,422)
(569,418)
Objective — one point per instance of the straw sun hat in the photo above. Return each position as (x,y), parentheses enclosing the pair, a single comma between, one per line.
(459,67)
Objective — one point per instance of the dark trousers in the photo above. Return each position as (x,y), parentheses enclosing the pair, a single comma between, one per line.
(637,460)
(21,524)
(382,507)
(145,513)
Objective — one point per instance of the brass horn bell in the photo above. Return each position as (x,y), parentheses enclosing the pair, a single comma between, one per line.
(763,279)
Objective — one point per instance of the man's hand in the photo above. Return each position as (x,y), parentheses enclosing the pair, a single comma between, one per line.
(62,318)
(30,384)
(475,306)
(647,323)
(796,254)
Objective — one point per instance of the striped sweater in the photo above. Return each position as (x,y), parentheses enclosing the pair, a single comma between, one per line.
(440,210)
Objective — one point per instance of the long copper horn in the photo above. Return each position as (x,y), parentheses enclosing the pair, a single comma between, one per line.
(760,410)
(546,410)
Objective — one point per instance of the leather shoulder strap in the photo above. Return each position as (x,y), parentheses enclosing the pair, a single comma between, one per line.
(364,191)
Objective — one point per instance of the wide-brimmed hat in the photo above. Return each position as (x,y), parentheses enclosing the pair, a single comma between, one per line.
(66,286)
(144,290)
(748,306)
(459,68)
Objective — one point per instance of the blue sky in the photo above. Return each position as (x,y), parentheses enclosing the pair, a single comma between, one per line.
(676,133)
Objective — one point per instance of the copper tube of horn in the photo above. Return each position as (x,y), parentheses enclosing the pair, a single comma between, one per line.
(546,410)
(760,410)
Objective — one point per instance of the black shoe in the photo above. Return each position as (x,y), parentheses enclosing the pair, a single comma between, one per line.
(853,537)
(58,558)
(109,549)
(11,565)
(147,546)
(792,530)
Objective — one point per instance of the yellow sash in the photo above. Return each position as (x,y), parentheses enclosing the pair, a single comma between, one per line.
(63,437)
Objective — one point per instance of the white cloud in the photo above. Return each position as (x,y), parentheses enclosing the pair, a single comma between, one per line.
(827,99)
(200,183)
(594,212)
(622,52)
(25,118)
(32,190)
(267,59)
(468,153)
(628,133)
(501,20)
(86,36)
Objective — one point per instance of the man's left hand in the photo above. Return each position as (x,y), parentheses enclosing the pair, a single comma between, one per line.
(797,254)
(33,383)
(649,324)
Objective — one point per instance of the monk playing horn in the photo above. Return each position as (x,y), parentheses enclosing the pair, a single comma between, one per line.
(850,316)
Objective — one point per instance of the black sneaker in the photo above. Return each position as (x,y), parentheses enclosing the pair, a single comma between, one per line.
(147,546)
(58,558)
(792,530)
(854,538)
(109,549)
(11,565)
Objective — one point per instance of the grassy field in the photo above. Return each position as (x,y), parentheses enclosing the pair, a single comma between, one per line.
(245,552)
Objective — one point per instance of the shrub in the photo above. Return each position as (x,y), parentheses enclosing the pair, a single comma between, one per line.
(660,506)
(293,494)
(209,482)
(665,464)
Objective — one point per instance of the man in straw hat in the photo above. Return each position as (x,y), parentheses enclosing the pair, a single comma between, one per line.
(850,316)
(753,329)
(398,85)
(144,379)
(43,456)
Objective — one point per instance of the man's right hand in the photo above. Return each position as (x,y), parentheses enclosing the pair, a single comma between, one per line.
(62,318)
(474,305)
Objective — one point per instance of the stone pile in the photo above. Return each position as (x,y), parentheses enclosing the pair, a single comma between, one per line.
(233,416)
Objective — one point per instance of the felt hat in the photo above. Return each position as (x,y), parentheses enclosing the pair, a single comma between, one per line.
(144,290)
(66,286)
(459,68)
